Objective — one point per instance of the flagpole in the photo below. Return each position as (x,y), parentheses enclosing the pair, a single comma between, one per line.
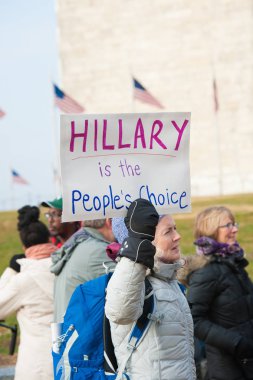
(56,163)
(12,191)
(219,153)
(216,104)
(133,102)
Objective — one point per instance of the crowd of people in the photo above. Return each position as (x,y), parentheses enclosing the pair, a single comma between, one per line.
(204,300)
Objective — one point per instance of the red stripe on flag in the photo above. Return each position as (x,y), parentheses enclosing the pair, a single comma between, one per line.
(146,97)
(68,105)
(2,113)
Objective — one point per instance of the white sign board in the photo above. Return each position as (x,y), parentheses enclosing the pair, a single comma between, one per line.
(109,160)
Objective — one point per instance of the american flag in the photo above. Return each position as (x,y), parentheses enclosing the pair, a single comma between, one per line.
(144,96)
(65,102)
(2,113)
(16,178)
(215,96)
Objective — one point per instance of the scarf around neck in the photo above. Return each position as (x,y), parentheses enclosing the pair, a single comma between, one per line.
(40,251)
(207,246)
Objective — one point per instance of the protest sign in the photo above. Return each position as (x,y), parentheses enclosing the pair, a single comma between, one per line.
(109,160)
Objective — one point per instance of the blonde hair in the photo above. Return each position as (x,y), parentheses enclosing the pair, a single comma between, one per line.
(208,221)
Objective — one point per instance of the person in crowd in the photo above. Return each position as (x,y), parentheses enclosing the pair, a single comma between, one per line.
(152,250)
(82,258)
(199,346)
(120,233)
(60,232)
(29,293)
(221,296)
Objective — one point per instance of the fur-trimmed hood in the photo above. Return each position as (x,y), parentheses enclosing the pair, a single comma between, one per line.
(192,263)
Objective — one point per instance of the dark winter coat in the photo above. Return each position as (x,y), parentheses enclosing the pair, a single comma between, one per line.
(221,300)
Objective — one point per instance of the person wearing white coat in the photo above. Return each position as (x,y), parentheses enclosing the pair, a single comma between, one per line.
(29,293)
(166,351)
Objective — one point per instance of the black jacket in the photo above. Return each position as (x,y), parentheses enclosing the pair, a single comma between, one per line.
(221,300)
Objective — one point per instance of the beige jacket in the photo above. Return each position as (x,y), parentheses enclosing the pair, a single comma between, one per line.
(30,295)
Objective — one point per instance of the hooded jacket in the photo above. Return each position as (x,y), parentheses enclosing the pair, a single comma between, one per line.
(82,258)
(166,351)
(221,300)
(30,295)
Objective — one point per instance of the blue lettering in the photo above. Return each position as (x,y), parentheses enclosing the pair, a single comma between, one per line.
(161,199)
(161,202)
(172,194)
(105,204)
(128,200)
(116,199)
(74,199)
(110,189)
(108,200)
(151,196)
(86,198)
(98,201)
(140,194)
(180,199)
(168,196)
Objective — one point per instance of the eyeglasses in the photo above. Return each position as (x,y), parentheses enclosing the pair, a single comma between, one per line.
(230,225)
(52,215)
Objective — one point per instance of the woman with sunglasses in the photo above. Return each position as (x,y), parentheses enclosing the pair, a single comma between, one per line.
(221,296)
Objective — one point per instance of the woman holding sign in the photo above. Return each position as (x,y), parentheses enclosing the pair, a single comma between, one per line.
(221,296)
(165,350)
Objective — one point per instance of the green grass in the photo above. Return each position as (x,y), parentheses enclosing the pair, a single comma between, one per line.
(241,206)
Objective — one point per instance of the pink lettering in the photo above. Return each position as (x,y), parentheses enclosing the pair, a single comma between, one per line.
(105,146)
(96,135)
(120,136)
(139,134)
(180,131)
(154,135)
(78,135)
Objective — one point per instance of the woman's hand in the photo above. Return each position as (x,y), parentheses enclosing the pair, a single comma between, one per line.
(138,250)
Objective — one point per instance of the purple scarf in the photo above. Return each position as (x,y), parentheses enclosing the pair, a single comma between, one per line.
(207,246)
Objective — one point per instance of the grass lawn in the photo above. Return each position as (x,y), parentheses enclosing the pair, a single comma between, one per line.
(241,206)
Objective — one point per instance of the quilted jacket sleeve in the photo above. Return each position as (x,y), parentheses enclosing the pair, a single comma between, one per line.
(204,287)
(125,292)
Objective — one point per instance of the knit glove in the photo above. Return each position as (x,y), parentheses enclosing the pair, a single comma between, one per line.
(141,222)
(244,349)
(138,250)
(13,262)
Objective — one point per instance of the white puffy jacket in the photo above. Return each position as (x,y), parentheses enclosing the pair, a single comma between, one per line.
(30,294)
(166,352)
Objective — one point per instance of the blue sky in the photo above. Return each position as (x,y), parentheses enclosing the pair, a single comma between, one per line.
(28,65)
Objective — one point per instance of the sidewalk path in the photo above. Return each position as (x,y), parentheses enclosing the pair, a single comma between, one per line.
(7,373)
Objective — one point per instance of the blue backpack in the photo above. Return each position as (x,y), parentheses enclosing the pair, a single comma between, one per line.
(85,349)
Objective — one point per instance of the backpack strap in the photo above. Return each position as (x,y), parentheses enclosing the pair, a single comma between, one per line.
(64,364)
(139,329)
(110,361)
(182,288)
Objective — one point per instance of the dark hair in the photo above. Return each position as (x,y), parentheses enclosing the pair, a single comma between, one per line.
(31,230)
